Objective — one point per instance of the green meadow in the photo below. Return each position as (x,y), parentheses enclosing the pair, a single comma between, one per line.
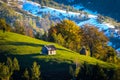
(27,50)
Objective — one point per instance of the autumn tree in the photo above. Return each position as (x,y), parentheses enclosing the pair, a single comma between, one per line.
(110,55)
(94,39)
(66,33)
(4,26)
(29,31)
(19,27)
(59,39)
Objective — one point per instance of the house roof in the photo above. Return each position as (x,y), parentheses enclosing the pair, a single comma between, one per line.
(50,47)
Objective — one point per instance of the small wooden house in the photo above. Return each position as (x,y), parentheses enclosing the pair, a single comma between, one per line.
(84,51)
(49,50)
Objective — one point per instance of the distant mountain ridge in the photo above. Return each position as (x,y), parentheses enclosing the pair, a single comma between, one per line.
(105,7)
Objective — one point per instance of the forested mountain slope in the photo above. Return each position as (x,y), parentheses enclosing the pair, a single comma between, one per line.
(106,7)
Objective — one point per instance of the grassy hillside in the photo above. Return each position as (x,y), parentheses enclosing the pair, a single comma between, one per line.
(28,49)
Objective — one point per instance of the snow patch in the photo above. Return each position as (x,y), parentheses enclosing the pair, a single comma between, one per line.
(109,25)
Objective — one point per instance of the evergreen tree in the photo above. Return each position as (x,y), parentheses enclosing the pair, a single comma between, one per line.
(16,64)
(7,70)
(71,71)
(9,63)
(35,71)
(117,73)
(26,74)
(93,72)
(4,72)
(12,66)
(98,73)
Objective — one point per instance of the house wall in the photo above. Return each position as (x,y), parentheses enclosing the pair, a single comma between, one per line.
(87,53)
(51,52)
(46,52)
(54,52)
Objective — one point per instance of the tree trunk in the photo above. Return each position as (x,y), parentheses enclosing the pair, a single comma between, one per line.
(91,52)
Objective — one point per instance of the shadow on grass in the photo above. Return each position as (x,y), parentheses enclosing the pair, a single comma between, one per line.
(3,37)
(65,50)
(50,69)
(29,44)
(20,44)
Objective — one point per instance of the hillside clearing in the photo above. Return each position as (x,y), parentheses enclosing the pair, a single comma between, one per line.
(28,49)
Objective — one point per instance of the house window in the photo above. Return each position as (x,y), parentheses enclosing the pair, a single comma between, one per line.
(50,52)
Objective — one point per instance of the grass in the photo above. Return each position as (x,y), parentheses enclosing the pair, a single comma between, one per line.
(28,49)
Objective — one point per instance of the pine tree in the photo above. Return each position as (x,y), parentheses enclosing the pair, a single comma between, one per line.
(16,64)
(35,71)
(4,72)
(26,74)
(71,71)
(9,63)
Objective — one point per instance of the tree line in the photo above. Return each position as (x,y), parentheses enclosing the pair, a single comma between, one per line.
(68,34)
(10,70)
(87,71)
